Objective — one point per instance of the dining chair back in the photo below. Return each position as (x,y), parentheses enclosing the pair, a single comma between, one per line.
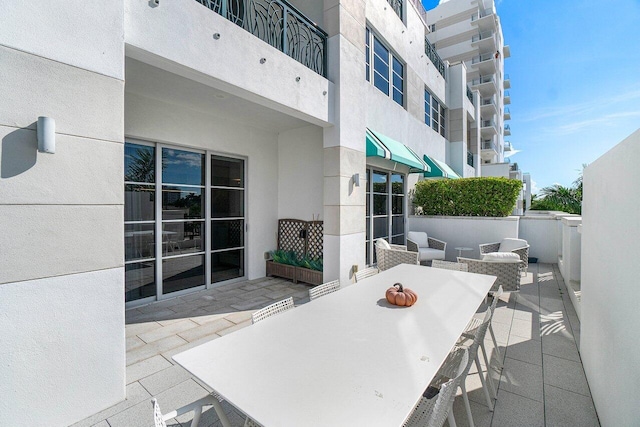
(367,272)
(324,289)
(448,265)
(271,310)
(160,420)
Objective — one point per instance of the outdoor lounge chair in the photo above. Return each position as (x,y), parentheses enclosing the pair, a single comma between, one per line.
(517,246)
(448,265)
(389,256)
(428,247)
(324,289)
(507,272)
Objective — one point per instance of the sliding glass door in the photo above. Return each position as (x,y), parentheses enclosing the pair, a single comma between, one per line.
(184,220)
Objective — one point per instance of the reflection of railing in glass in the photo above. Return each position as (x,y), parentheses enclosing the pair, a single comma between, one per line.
(279,24)
(396,5)
(470,158)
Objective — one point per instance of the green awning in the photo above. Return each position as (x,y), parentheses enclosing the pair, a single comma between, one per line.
(382,146)
(439,169)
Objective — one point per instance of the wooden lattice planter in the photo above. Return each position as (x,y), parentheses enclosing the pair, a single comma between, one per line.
(282,270)
(312,277)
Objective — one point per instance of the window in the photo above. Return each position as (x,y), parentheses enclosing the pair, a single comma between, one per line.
(434,113)
(385,198)
(384,69)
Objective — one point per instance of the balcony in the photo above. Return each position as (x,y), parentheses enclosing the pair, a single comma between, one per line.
(507,114)
(279,24)
(486,85)
(507,130)
(507,82)
(485,63)
(485,41)
(488,107)
(432,54)
(507,98)
(484,20)
(507,146)
(488,129)
(506,51)
(396,5)
(470,158)
(470,95)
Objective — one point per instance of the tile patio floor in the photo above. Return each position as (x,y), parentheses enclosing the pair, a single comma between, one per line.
(538,333)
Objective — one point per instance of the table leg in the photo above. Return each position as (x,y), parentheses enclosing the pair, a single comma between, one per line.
(221,415)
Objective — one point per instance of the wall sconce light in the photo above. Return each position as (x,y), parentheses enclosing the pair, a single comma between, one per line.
(216,36)
(356,180)
(263,60)
(46,132)
(298,78)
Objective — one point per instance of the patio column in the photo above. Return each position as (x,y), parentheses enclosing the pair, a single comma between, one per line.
(344,143)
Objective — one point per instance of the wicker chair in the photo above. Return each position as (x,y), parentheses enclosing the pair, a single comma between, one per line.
(448,265)
(433,412)
(367,272)
(273,309)
(160,420)
(394,255)
(507,273)
(523,251)
(324,289)
(429,248)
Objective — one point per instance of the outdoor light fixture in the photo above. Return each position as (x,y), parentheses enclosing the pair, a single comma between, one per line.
(216,36)
(298,78)
(356,180)
(46,132)
(263,60)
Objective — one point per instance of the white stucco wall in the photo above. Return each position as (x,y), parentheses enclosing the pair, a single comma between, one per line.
(610,341)
(158,121)
(300,173)
(541,232)
(465,231)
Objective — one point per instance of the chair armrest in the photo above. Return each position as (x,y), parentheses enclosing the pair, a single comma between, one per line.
(523,253)
(398,247)
(412,246)
(437,244)
(486,248)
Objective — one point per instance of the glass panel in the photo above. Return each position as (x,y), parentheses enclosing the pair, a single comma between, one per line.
(139,240)
(366,253)
(397,204)
(397,82)
(182,273)
(182,237)
(227,203)
(139,202)
(397,183)
(381,83)
(380,204)
(227,234)
(182,167)
(381,67)
(139,280)
(381,51)
(368,202)
(379,182)
(227,265)
(398,240)
(181,202)
(368,229)
(397,225)
(227,172)
(380,227)
(139,163)
(368,54)
(398,98)
(397,67)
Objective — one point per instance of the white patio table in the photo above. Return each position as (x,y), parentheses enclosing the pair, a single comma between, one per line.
(347,359)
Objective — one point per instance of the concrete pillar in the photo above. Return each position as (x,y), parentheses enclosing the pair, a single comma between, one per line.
(344,143)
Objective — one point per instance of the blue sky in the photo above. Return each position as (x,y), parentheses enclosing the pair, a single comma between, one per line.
(575,81)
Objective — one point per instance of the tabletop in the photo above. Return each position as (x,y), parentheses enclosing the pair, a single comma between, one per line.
(348,358)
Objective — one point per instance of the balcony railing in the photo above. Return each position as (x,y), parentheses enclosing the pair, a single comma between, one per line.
(279,24)
(488,123)
(481,14)
(396,5)
(482,36)
(470,158)
(469,94)
(482,58)
(430,50)
(489,145)
(487,101)
(421,11)
(483,79)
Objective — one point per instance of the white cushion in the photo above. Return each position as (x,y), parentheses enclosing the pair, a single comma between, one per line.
(383,244)
(501,257)
(429,254)
(507,245)
(419,237)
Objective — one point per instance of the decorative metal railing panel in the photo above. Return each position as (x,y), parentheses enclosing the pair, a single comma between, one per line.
(279,24)
(470,158)
(432,54)
(396,5)
(469,94)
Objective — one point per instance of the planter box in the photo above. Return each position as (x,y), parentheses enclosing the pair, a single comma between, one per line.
(281,270)
(297,274)
(313,277)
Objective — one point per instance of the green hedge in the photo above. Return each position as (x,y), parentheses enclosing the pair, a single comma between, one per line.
(494,197)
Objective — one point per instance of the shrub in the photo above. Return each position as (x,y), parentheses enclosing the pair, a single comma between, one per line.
(291,258)
(493,197)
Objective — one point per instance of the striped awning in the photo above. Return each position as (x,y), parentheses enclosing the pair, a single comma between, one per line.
(379,145)
(439,169)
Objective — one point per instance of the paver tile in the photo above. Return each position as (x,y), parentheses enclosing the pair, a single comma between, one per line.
(133,342)
(166,331)
(512,410)
(209,328)
(139,328)
(524,350)
(521,378)
(145,368)
(135,394)
(165,379)
(154,348)
(560,344)
(565,374)
(565,408)
(529,329)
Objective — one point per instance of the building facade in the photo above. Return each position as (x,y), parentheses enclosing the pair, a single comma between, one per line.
(183,131)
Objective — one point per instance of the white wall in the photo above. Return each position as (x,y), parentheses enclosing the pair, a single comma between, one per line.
(465,231)
(158,121)
(610,342)
(541,232)
(300,173)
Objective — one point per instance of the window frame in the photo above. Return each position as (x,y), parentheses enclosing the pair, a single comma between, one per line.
(435,113)
(396,87)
